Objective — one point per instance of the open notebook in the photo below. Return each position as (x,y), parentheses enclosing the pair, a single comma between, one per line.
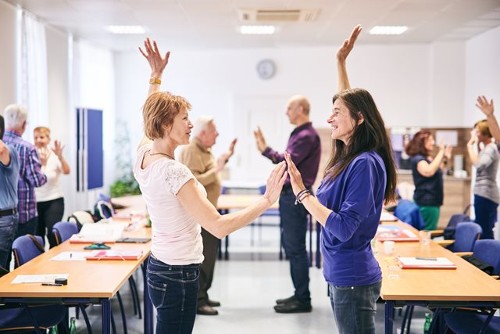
(426,263)
(395,233)
(98,232)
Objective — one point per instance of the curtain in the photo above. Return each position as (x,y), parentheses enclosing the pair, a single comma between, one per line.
(32,69)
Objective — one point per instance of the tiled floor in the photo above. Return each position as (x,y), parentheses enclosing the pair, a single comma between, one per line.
(247,286)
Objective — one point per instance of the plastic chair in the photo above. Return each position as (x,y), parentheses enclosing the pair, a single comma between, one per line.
(409,212)
(466,235)
(26,248)
(62,231)
(469,321)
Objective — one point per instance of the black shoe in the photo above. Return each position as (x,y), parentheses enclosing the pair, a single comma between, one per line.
(206,310)
(213,303)
(293,307)
(285,300)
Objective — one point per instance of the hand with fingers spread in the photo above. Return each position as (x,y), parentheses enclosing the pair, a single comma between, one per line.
(295,176)
(260,140)
(275,183)
(156,61)
(342,53)
(485,106)
(348,44)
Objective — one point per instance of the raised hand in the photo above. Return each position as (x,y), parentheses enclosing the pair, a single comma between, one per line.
(260,140)
(348,44)
(295,176)
(156,61)
(486,107)
(58,148)
(275,183)
(43,154)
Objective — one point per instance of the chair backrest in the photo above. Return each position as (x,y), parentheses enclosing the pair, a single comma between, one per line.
(25,249)
(62,231)
(449,231)
(409,212)
(81,217)
(488,250)
(466,235)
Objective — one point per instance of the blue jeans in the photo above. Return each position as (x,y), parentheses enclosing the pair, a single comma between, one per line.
(354,307)
(8,228)
(294,220)
(486,215)
(173,291)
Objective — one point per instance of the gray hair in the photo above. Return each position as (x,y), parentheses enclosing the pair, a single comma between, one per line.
(201,124)
(15,115)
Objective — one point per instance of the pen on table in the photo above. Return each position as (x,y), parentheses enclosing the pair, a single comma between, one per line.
(51,284)
(426,258)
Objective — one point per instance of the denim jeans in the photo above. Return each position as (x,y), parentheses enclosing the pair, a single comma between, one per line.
(354,307)
(486,215)
(8,229)
(173,291)
(294,223)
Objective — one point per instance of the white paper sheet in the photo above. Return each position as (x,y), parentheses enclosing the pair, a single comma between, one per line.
(46,278)
(71,256)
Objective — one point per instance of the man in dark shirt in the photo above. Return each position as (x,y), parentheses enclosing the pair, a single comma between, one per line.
(305,150)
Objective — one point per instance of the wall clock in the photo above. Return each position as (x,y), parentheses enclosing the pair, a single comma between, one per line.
(266,69)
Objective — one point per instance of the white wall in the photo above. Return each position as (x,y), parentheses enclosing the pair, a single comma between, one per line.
(482,72)
(413,85)
(8,63)
(407,82)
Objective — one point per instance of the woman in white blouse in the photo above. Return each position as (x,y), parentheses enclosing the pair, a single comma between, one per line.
(177,204)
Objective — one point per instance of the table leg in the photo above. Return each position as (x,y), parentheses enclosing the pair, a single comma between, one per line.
(148,306)
(106,316)
(389,316)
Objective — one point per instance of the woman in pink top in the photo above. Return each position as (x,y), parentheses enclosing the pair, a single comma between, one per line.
(178,204)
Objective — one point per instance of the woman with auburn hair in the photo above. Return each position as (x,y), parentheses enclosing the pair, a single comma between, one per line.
(483,153)
(177,204)
(427,175)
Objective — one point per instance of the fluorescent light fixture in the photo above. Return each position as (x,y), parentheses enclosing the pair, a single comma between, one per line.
(388,30)
(126,29)
(257,30)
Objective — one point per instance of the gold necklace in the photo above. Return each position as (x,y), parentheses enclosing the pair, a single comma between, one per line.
(161,153)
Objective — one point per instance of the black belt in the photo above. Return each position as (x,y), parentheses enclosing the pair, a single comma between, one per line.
(8,212)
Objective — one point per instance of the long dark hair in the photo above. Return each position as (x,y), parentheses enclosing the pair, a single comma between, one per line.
(2,127)
(370,135)
(416,146)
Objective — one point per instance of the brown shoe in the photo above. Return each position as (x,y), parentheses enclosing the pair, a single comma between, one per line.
(206,310)
(213,303)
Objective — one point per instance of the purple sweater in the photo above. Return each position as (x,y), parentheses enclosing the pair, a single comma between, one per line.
(304,147)
(356,197)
